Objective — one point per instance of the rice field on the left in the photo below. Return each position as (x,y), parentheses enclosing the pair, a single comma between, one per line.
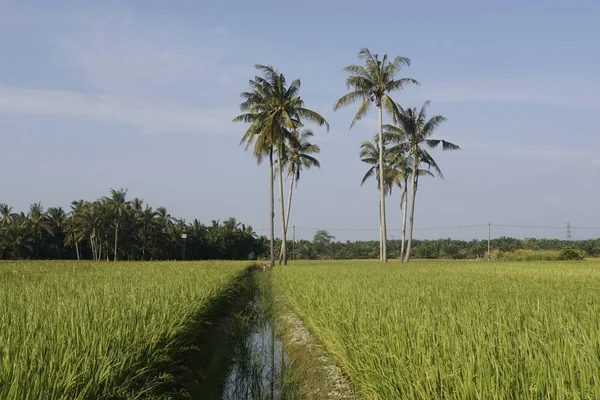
(80,330)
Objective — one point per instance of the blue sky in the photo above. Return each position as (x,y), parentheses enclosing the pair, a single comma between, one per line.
(140,95)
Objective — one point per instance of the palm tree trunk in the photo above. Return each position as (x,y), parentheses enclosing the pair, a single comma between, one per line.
(144,248)
(380,233)
(76,247)
(282,205)
(382,224)
(415,177)
(116,237)
(93,248)
(272,209)
(404,203)
(289,207)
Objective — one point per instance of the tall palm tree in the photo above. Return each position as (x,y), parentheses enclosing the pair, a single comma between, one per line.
(372,83)
(369,153)
(273,109)
(400,173)
(37,219)
(413,132)
(74,231)
(118,204)
(93,220)
(399,164)
(298,158)
(148,224)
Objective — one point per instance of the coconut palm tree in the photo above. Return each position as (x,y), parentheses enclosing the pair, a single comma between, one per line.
(369,153)
(37,219)
(413,132)
(74,233)
(372,83)
(6,214)
(298,157)
(273,109)
(148,224)
(400,171)
(118,204)
(397,172)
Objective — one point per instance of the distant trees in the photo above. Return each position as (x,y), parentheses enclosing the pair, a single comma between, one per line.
(322,243)
(137,232)
(324,246)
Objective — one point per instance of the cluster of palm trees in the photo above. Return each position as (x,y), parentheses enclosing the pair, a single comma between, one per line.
(399,150)
(113,228)
(276,115)
(276,112)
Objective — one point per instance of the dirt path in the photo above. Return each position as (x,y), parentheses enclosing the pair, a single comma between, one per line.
(320,377)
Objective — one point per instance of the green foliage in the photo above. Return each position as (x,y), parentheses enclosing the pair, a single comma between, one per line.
(503,248)
(526,255)
(275,112)
(88,232)
(82,330)
(571,254)
(322,244)
(451,329)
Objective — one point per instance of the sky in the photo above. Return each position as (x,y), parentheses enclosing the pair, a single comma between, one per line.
(141,95)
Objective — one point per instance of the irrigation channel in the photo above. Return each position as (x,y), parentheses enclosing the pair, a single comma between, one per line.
(259,367)
(255,347)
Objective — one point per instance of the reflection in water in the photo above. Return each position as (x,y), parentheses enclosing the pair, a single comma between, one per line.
(259,362)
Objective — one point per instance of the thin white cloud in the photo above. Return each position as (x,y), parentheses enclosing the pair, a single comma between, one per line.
(147,73)
(150,116)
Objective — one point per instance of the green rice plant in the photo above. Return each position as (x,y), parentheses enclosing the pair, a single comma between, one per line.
(82,330)
(451,329)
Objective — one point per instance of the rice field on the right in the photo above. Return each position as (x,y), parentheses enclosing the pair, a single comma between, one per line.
(461,330)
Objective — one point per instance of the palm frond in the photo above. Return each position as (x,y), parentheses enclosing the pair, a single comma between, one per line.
(350,98)
(363,109)
(312,116)
(369,174)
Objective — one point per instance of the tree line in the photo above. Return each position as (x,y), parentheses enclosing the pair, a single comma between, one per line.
(133,230)
(114,228)
(324,246)
(398,154)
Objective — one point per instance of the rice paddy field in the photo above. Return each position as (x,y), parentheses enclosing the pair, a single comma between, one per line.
(83,330)
(459,330)
(423,330)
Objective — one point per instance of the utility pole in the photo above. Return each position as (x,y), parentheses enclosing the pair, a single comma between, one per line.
(568,231)
(489,241)
(184,236)
(294,243)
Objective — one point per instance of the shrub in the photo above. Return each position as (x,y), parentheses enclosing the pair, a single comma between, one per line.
(571,254)
(525,255)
